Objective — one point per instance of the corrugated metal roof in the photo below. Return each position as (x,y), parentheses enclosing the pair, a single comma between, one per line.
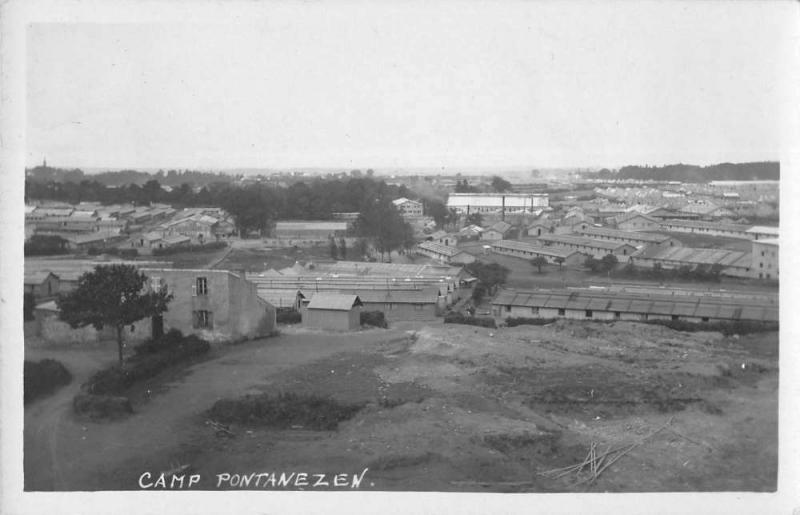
(334,301)
(438,248)
(697,224)
(535,249)
(501,227)
(278,297)
(711,307)
(643,237)
(566,239)
(696,256)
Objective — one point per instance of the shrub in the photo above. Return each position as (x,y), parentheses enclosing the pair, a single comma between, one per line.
(288,316)
(374,318)
(726,328)
(128,253)
(458,318)
(515,321)
(284,411)
(43,377)
(101,406)
(151,357)
(109,380)
(168,340)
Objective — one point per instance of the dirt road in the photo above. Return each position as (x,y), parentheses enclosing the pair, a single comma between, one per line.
(64,453)
(451,408)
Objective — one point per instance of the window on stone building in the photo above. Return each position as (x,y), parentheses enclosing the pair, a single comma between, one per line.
(201,286)
(203,319)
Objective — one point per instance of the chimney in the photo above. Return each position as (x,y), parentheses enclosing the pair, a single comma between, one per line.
(504,209)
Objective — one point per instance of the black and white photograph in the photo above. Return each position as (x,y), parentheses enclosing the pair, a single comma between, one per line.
(289,256)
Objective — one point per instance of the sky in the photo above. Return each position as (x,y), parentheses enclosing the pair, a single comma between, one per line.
(447,84)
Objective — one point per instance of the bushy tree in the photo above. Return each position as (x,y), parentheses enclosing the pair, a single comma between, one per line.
(114,296)
(500,185)
(539,262)
(380,221)
(490,275)
(609,262)
(437,210)
(475,219)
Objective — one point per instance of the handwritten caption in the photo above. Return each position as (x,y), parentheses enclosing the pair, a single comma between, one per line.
(253,480)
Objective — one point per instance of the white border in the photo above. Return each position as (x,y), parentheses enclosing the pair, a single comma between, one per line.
(16,15)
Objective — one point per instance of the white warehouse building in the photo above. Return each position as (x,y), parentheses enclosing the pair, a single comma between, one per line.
(467,203)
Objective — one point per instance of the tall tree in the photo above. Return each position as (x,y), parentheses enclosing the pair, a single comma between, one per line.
(252,208)
(113,296)
(437,210)
(380,221)
(334,249)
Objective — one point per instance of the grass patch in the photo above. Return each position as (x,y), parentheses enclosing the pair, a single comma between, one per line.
(726,328)
(43,377)
(283,411)
(102,406)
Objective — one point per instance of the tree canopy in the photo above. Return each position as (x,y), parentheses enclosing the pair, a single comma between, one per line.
(500,185)
(112,296)
(381,222)
(539,262)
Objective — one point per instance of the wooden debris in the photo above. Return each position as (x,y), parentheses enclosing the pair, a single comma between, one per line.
(599,462)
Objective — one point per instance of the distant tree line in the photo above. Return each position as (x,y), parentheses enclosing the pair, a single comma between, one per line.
(253,204)
(768,170)
(125,177)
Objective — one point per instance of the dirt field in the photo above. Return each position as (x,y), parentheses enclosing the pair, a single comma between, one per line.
(446,408)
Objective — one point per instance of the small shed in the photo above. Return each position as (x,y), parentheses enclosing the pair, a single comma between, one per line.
(42,284)
(333,311)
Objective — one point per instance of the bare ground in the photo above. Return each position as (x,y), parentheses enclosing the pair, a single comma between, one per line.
(449,408)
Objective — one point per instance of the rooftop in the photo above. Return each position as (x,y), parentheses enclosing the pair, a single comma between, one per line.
(712,307)
(697,256)
(629,235)
(697,224)
(537,249)
(763,229)
(438,248)
(334,301)
(566,239)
